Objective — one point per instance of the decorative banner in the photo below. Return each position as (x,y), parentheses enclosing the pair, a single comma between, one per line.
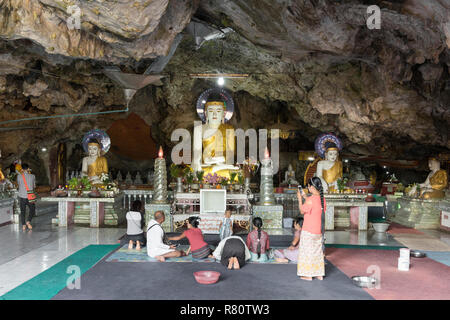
(225,97)
(100,136)
(322,140)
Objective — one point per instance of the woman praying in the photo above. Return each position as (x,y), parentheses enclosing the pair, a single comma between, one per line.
(197,245)
(291,253)
(258,242)
(135,234)
(310,252)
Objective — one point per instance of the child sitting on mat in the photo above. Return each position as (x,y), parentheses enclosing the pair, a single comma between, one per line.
(135,234)
(197,245)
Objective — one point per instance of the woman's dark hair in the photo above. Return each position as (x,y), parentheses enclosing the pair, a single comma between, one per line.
(136,206)
(193,221)
(299,221)
(257,222)
(317,183)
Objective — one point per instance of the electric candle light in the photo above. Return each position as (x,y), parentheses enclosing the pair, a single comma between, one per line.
(266,187)
(160,180)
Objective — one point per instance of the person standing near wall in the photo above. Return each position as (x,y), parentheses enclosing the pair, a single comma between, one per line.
(27,184)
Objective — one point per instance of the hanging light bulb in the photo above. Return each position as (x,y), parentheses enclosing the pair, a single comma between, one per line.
(220,81)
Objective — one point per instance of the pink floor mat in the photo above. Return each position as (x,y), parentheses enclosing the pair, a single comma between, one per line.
(396,228)
(425,280)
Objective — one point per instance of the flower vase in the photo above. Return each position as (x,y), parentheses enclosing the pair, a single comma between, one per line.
(179,185)
(247,185)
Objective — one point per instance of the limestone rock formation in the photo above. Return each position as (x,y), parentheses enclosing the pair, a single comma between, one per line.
(314,64)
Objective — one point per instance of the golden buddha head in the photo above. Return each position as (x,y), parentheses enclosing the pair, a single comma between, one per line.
(215,112)
(94,148)
(332,151)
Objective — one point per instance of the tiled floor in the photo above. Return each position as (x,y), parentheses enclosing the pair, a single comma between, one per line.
(24,255)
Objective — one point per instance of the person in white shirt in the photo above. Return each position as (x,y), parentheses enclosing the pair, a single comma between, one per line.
(135,234)
(156,248)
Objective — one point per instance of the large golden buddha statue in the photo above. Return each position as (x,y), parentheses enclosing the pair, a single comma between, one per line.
(217,142)
(94,164)
(436,182)
(330,169)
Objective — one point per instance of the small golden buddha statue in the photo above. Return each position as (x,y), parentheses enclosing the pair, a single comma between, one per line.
(94,164)
(330,169)
(217,142)
(436,182)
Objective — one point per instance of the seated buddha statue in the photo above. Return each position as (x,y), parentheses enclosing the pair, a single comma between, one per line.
(330,169)
(94,164)
(289,176)
(436,182)
(217,140)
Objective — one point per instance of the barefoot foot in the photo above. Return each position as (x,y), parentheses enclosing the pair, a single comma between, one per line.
(306,278)
(236,264)
(160,258)
(320,278)
(230,263)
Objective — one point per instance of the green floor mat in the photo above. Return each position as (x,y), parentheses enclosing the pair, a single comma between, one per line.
(48,283)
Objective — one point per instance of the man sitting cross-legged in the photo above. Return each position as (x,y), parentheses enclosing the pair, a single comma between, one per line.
(156,248)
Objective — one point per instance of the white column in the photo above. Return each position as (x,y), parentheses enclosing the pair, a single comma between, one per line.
(363,217)
(94,214)
(62,213)
(329,218)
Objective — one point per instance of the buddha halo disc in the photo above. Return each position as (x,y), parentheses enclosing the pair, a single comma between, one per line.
(320,143)
(225,96)
(99,135)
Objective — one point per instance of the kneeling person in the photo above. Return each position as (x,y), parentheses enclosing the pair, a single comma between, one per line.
(198,246)
(156,248)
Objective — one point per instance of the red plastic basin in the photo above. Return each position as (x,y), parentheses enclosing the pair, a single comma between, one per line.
(206,277)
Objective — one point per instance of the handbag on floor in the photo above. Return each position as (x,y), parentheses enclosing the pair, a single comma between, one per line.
(30,194)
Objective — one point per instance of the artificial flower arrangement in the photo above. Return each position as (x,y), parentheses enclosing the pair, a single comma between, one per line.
(108,184)
(250,167)
(233,176)
(200,174)
(223,181)
(211,179)
(342,183)
(82,183)
(179,170)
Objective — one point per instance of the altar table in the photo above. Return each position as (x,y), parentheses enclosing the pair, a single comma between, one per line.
(66,209)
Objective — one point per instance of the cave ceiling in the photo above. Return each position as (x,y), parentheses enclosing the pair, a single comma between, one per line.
(313,64)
